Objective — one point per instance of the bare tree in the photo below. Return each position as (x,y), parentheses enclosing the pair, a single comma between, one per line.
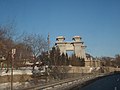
(7,31)
(6,41)
(23,55)
(107,61)
(37,43)
(117,60)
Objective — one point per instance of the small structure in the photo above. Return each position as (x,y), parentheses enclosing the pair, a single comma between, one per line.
(2,62)
(93,62)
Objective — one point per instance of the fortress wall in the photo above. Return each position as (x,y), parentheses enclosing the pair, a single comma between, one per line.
(75,69)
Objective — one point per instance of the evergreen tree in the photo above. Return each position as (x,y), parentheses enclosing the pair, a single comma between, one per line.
(67,60)
(63,61)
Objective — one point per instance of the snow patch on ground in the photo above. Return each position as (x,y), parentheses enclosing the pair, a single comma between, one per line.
(15,72)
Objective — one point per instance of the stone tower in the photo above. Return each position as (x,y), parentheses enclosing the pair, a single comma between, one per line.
(79,48)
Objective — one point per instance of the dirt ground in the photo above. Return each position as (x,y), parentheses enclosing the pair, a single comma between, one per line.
(16,78)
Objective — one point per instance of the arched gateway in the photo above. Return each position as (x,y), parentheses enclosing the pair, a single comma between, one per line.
(76,46)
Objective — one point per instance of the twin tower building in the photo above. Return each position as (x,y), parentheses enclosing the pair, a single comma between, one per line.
(78,48)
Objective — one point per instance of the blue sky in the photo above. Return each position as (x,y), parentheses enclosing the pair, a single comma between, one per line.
(96,21)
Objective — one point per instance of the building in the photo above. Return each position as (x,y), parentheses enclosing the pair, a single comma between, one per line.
(78,48)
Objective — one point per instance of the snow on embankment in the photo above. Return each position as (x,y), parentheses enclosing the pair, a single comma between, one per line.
(21,71)
(20,77)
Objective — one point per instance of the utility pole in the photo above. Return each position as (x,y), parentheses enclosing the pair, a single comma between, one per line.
(48,40)
(12,66)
